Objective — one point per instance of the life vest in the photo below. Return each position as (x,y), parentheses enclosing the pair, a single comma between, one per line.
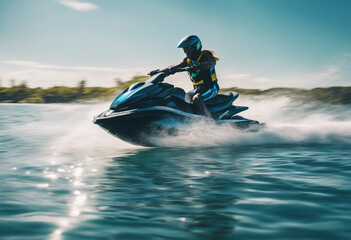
(203,77)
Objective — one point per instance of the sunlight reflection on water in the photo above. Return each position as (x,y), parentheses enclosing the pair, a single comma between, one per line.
(85,184)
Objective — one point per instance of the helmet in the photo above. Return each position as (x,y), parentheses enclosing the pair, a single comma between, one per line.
(191,45)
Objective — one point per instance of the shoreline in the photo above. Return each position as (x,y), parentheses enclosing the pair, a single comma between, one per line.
(86,95)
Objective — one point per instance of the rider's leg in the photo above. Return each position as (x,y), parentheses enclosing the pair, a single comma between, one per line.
(200,106)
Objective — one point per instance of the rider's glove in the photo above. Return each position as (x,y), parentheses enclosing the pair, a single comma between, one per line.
(154,72)
(168,71)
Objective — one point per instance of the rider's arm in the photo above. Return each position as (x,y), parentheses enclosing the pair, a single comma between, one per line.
(176,66)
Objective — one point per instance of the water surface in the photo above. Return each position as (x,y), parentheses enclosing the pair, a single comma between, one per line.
(62,177)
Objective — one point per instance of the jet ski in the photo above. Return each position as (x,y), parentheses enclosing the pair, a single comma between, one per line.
(151,109)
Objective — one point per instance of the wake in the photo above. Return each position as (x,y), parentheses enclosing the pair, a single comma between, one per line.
(69,128)
(287,122)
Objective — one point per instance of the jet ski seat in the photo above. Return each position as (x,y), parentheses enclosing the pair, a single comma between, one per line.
(221,102)
(215,104)
(222,99)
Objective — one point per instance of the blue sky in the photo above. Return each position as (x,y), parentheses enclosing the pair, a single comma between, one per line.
(260,43)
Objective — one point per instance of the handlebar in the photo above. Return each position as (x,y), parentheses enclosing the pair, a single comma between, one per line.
(168,72)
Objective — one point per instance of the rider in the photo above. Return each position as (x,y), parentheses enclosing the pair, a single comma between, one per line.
(202,72)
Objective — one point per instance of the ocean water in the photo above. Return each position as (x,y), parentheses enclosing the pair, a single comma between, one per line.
(62,177)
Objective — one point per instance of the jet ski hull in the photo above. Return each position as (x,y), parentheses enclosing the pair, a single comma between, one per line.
(143,126)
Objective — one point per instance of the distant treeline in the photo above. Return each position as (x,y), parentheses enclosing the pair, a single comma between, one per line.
(330,95)
(81,93)
(60,94)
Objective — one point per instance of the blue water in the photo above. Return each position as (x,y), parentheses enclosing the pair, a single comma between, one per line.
(61,177)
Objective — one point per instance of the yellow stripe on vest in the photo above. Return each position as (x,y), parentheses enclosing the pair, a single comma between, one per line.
(200,56)
(198,83)
(214,77)
(189,61)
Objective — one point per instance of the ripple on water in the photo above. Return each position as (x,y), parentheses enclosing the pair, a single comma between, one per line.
(57,188)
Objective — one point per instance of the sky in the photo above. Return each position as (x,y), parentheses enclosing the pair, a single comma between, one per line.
(260,43)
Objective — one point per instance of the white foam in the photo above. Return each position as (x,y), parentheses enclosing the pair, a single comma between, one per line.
(81,133)
(71,129)
(287,122)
